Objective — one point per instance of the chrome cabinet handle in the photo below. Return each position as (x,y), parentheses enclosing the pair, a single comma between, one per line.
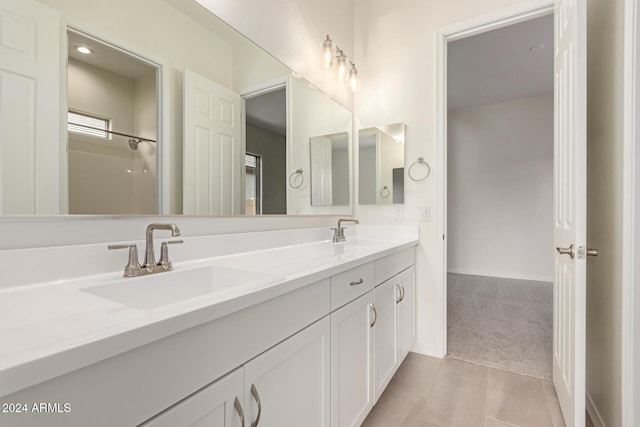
(375,315)
(238,406)
(401,289)
(256,397)
(571,251)
(592,252)
(356,283)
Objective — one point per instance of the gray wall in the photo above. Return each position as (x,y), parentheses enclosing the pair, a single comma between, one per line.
(272,148)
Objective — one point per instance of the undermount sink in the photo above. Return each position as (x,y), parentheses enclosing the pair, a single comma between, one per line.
(161,289)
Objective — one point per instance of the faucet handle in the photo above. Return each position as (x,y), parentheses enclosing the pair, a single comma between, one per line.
(165,262)
(133,266)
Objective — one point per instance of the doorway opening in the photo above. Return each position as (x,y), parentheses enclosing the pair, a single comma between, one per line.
(500,132)
(113,111)
(266,140)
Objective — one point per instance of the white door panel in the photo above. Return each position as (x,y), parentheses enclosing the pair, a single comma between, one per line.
(213,157)
(570,209)
(31,148)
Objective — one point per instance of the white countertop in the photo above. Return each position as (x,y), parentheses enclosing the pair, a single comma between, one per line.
(49,329)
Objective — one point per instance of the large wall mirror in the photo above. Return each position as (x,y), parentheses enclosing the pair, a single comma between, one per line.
(164,109)
(381,165)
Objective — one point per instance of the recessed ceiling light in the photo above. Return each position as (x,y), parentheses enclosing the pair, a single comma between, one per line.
(85,50)
(536,48)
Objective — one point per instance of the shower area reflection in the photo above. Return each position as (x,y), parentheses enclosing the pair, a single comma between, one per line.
(112,130)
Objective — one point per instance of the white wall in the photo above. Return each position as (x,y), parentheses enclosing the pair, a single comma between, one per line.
(395,49)
(605,91)
(500,189)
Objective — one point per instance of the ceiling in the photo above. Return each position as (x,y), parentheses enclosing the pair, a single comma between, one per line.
(269,111)
(107,57)
(501,65)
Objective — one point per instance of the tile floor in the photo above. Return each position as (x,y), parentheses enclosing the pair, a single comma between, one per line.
(429,392)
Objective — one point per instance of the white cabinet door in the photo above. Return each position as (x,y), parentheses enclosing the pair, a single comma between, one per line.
(351,367)
(385,349)
(289,384)
(217,405)
(406,285)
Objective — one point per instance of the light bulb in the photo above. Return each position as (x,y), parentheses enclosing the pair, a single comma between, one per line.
(353,77)
(341,73)
(327,53)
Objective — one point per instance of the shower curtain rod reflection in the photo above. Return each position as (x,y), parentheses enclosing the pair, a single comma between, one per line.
(113,132)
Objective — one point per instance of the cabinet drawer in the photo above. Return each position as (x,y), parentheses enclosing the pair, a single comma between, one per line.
(391,265)
(349,285)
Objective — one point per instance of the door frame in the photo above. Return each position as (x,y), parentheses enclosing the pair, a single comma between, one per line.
(630,212)
(163,109)
(444,35)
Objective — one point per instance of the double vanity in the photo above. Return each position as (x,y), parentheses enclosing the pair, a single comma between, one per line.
(279,328)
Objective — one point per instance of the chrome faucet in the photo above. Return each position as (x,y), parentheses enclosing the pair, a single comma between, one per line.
(338,233)
(150,266)
(149,255)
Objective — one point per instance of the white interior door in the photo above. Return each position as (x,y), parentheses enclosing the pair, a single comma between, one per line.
(31,148)
(213,155)
(321,171)
(569,287)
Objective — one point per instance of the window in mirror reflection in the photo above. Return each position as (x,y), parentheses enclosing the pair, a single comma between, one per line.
(115,92)
(381,164)
(330,169)
(252,183)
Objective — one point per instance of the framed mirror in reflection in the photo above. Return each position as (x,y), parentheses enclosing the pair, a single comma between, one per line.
(381,164)
(175,113)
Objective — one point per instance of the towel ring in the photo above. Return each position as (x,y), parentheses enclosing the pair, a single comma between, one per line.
(299,173)
(385,192)
(420,161)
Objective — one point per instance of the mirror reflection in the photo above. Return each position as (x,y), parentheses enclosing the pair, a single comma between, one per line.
(381,164)
(184,110)
(330,169)
(112,130)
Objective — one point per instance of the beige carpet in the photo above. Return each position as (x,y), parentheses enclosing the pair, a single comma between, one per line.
(501,323)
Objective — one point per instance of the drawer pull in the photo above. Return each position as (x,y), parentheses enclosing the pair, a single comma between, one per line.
(356,283)
(238,406)
(375,315)
(256,396)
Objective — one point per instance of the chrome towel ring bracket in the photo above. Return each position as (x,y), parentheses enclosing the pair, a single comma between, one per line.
(385,192)
(422,172)
(299,173)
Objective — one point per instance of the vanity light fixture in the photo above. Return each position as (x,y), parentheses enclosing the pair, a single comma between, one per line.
(334,58)
(84,50)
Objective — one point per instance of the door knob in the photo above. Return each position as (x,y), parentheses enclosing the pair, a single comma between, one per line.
(571,251)
(582,252)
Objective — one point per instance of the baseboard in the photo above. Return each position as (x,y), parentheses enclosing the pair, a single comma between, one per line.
(593,412)
(502,275)
(426,352)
